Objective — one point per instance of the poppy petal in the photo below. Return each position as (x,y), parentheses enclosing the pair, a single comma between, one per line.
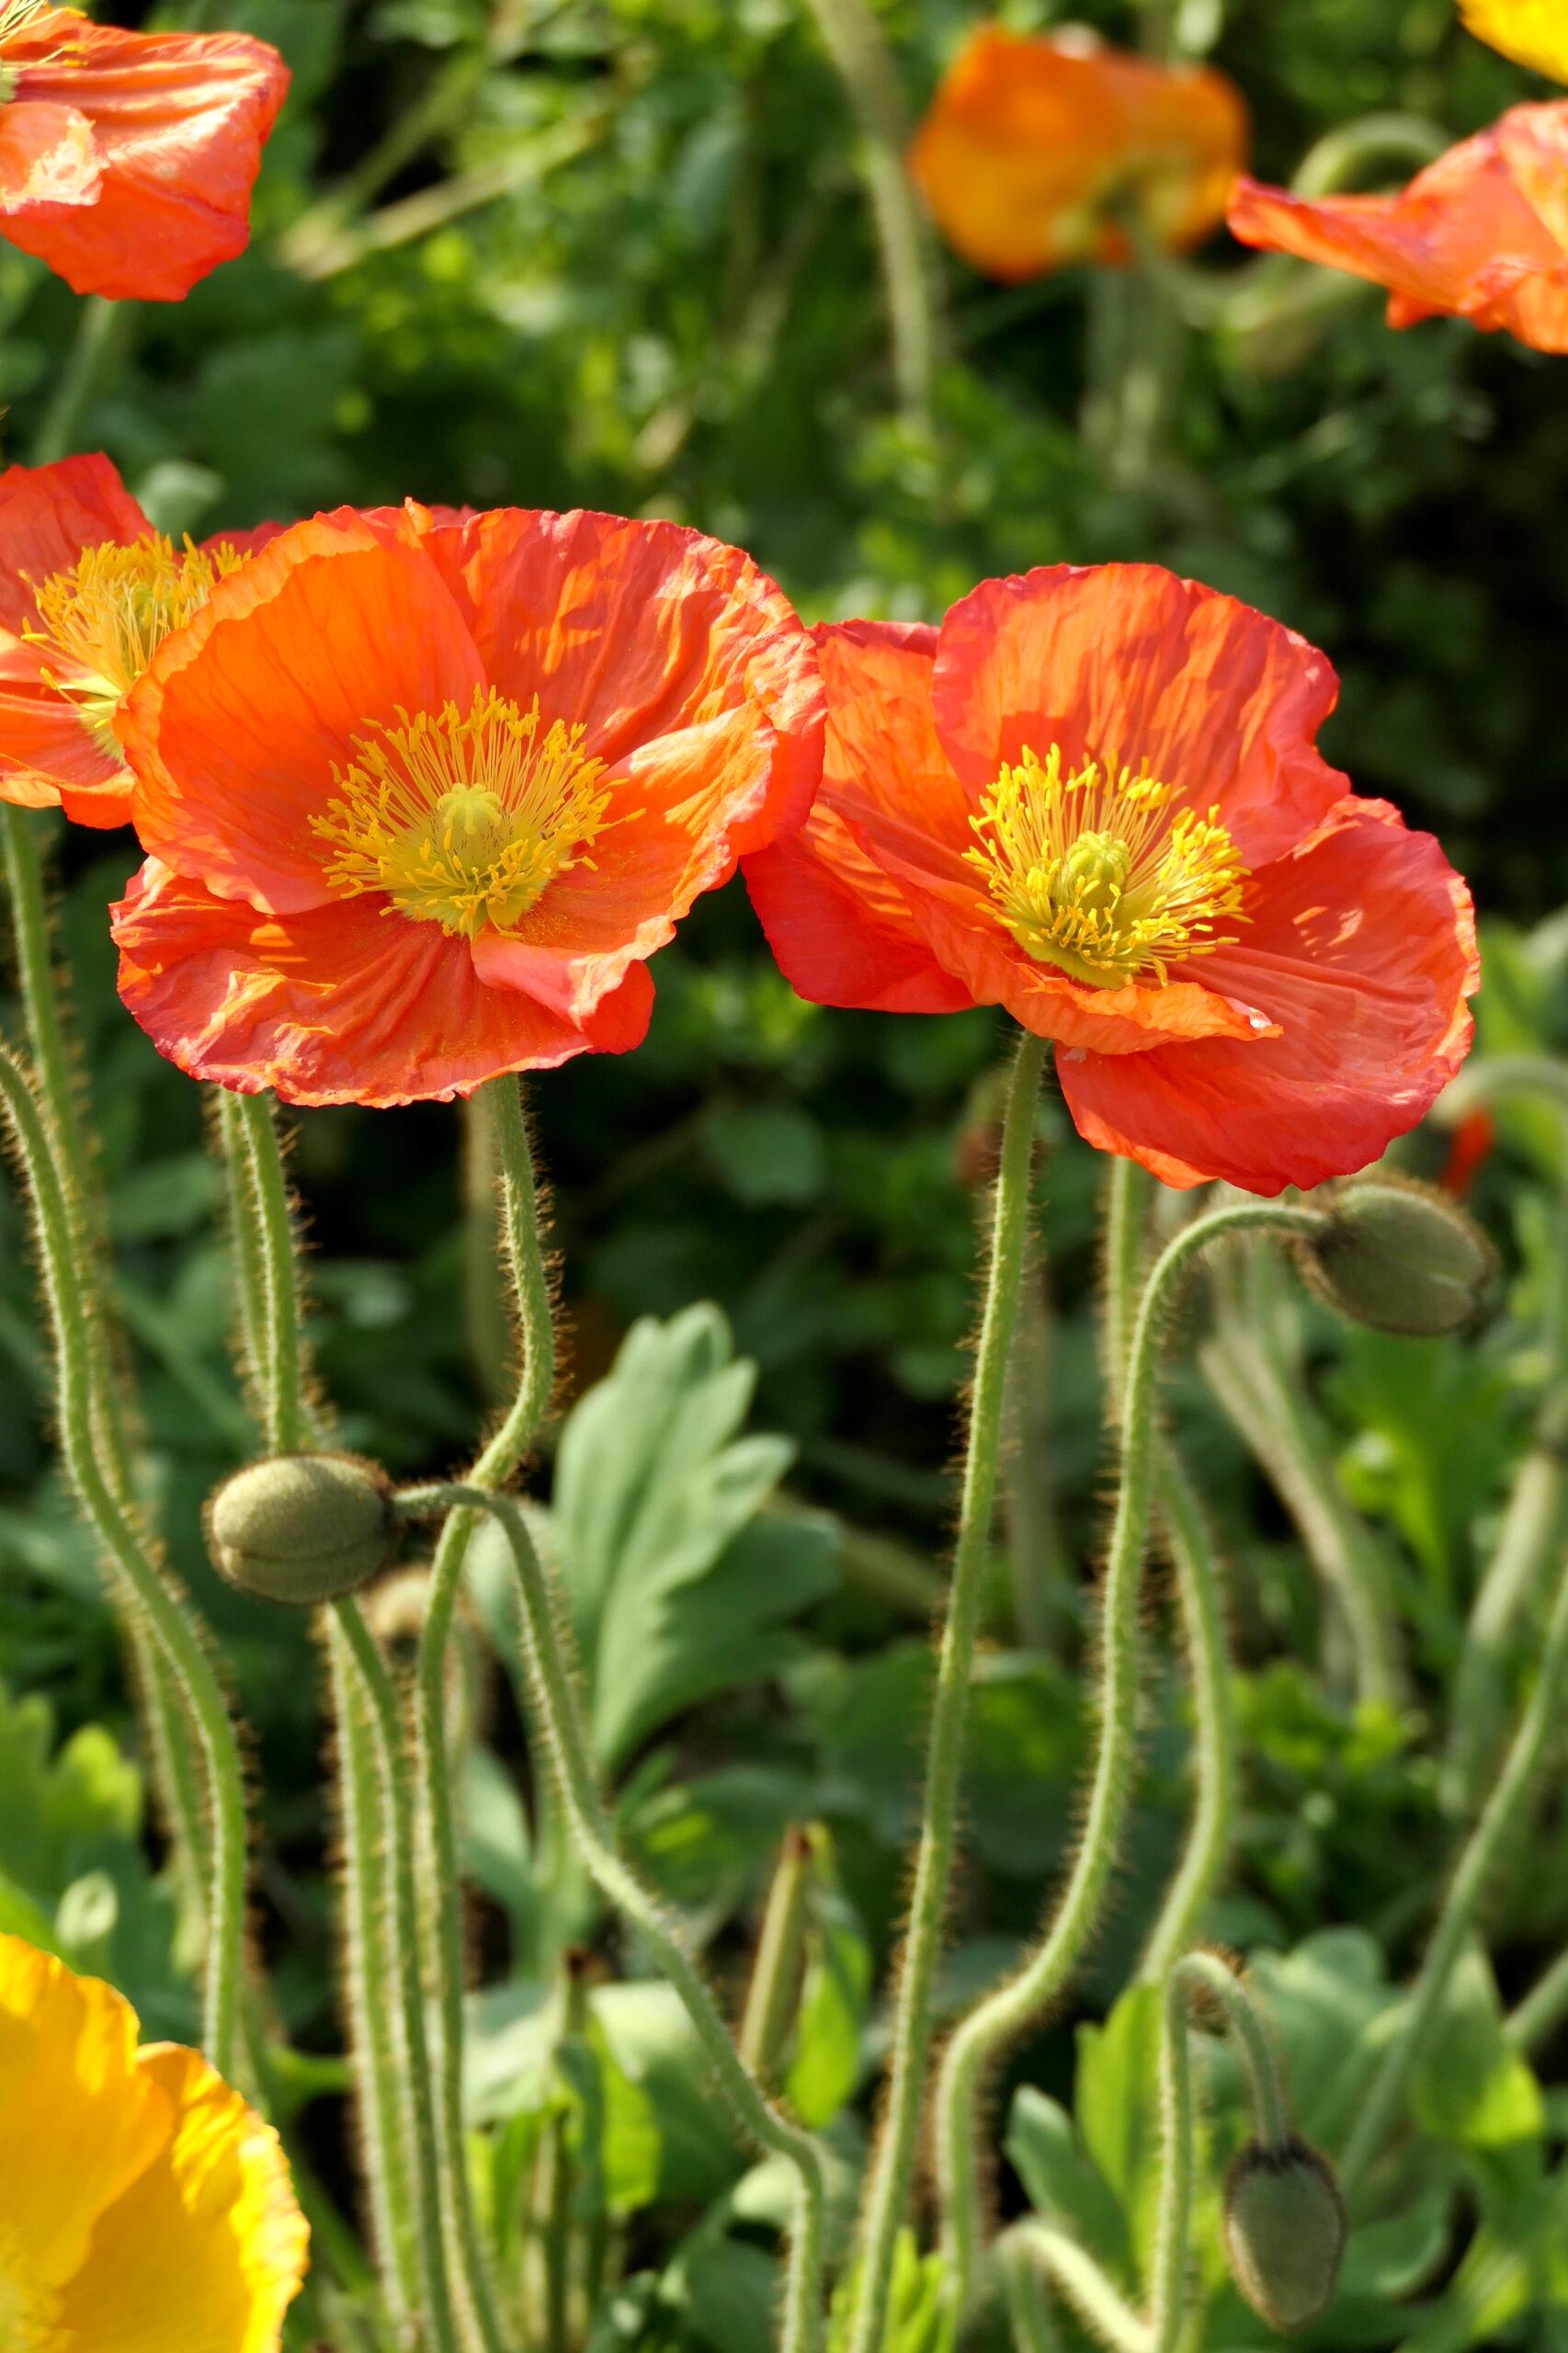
(48,515)
(178,122)
(48,757)
(837,923)
(1532,32)
(1362,948)
(236,728)
(641,630)
(1126,663)
(339,1004)
(47,156)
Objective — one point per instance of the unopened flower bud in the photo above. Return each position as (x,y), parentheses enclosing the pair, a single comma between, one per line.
(1284,2231)
(302,1528)
(1402,1257)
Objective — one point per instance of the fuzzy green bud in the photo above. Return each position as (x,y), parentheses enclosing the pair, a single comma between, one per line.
(1400,1257)
(1284,2231)
(302,1528)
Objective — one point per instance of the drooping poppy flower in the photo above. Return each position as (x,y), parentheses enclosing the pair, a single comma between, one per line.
(127,159)
(1482,235)
(1532,32)
(422,798)
(1033,150)
(143,2205)
(1094,797)
(89,592)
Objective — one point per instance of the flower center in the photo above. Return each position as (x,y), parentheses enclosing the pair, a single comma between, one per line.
(110,612)
(26,2312)
(464,819)
(1088,873)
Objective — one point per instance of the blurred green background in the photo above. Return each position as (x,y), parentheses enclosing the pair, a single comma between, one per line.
(619,253)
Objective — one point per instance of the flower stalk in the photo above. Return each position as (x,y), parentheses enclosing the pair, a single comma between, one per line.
(1013,2006)
(562,1723)
(893,2169)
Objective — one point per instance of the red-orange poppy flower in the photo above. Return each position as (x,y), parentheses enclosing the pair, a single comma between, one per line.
(422,798)
(1095,798)
(1482,235)
(127,159)
(1033,150)
(89,592)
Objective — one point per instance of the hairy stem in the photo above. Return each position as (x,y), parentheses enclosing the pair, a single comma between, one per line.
(892,2168)
(135,1568)
(1077,2277)
(563,1726)
(1017,2004)
(775,1989)
(1543,1715)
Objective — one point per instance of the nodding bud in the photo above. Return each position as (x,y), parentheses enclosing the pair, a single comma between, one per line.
(302,1528)
(1400,1257)
(1284,2231)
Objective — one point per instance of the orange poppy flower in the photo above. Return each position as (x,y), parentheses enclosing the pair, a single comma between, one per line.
(1094,797)
(88,591)
(1031,149)
(127,159)
(1482,235)
(421,798)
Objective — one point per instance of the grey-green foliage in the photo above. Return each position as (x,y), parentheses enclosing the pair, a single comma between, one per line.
(682,1583)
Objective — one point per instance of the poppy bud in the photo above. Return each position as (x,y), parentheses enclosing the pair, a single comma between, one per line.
(1400,1257)
(1284,2231)
(302,1528)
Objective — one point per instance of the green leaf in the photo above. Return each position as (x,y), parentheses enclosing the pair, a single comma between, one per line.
(1063,2181)
(1117,2107)
(835,2000)
(1471,2087)
(617,2139)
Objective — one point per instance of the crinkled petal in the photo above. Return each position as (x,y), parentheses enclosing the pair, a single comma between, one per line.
(178,122)
(48,157)
(838,924)
(1482,235)
(78,2123)
(47,758)
(1126,663)
(207,2250)
(236,728)
(1362,950)
(644,633)
(340,1004)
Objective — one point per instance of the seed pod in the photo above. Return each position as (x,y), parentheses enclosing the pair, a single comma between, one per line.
(1400,1257)
(1284,2231)
(302,1528)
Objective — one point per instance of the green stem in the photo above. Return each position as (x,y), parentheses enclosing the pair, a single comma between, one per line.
(1341,156)
(1541,1718)
(888,2192)
(171,1736)
(442,1918)
(1042,1576)
(775,1988)
(853,40)
(1076,2277)
(1201,1594)
(1029,2320)
(1543,2010)
(189,1667)
(270,1264)
(1015,2004)
(1124,1262)
(562,1724)
(101,327)
(1199,1975)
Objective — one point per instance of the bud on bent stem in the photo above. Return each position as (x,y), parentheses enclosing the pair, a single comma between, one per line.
(302,1529)
(1400,1257)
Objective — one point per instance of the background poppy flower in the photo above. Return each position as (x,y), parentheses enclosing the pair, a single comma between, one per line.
(422,798)
(127,159)
(1031,150)
(1094,797)
(143,2204)
(1534,32)
(1481,234)
(88,591)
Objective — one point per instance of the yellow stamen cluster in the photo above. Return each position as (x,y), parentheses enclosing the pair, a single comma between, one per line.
(465,818)
(1089,871)
(17,15)
(110,612)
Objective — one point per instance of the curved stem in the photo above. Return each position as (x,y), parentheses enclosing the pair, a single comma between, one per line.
(1019,2002)
(1199,1975)
(1543,2010)
(189,1665)
(1342,156)
(1201,1594)
(1499,1817)
(442,1918)
(888,2191)
(562,1724)
(1075,2276)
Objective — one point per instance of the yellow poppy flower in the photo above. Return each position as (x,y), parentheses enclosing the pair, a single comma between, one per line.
(143,2207)
(1534,32)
